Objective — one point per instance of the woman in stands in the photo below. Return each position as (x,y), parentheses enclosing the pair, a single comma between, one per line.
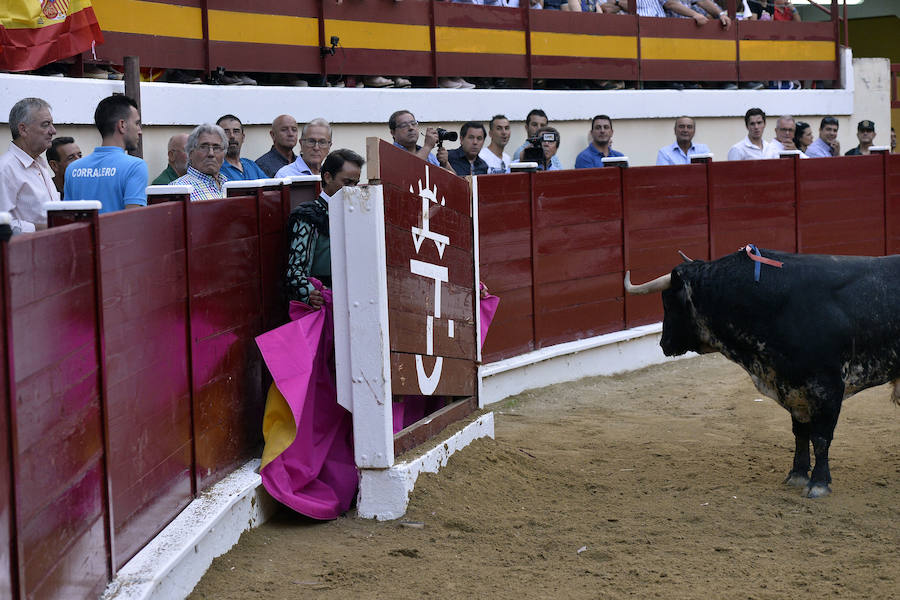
(803,135)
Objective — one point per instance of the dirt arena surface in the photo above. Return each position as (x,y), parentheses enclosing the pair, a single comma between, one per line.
(662,483)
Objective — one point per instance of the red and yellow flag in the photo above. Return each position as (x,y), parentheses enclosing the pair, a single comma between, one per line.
(34,33)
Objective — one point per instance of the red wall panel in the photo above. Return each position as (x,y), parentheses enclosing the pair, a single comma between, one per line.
(892,203)
(840,206)
(751,202)
(504,223)
(577,254)
(8,561)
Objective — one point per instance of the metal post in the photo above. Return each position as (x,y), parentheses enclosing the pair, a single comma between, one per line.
(133,91)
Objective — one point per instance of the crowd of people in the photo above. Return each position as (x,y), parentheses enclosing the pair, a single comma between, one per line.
(41,167)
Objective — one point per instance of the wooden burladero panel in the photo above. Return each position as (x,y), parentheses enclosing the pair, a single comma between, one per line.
(431,276)
(60,492)
(504,226)
(577,252)
(225,317)
(665,211)
(148,390)
(752,202)
(7,505)
(841,206)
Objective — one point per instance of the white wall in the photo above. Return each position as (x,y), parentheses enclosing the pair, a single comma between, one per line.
(643,120)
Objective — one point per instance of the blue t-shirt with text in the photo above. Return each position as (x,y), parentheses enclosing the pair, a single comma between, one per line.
(110,176)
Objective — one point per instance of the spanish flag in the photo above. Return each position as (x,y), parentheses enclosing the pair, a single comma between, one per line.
(34,33)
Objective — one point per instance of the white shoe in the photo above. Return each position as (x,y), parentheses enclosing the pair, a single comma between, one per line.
(378,82)
(465,84)
(402,82)
(451,83)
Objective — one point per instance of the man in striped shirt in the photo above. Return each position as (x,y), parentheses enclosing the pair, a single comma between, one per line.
(206,151)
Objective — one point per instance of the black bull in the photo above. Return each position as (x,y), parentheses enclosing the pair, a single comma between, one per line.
(810,333)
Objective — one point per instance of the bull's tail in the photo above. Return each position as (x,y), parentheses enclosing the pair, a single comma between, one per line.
(895,392)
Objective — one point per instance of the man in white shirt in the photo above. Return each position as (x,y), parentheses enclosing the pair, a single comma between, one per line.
(784,138)
(26,181)
(497,160)
(753,146)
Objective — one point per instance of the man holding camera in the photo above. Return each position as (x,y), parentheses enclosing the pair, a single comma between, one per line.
(405,131)
(534,121)
(465,159)
(600,146)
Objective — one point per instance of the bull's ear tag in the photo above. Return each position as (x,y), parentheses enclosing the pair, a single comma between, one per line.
(756,256)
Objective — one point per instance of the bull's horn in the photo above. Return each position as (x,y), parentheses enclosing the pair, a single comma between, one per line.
(657,285)
(684,257)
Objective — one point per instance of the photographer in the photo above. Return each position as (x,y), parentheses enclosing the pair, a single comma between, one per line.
(549,138)
(465,159)
(405,131)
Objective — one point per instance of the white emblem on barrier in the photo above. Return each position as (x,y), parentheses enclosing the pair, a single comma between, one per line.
(439,273)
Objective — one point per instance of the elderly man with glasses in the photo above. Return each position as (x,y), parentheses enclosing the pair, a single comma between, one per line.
(206,151)
(315,144)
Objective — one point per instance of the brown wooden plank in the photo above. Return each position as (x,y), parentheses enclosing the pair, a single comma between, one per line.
(407,332)
(404,210)
(457,375)
(892,203)
(409,172)
(415,294)
(400,251)
(431,425)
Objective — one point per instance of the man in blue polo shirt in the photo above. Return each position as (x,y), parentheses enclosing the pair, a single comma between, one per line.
(109,175)
(680,152)
(235,168)
(600,146)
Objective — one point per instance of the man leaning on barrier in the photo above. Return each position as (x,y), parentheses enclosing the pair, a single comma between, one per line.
(206,151)
(309,243)
(26,181)
(600,146)
(315,144)
(679,153)
(827,143)
(235,168)
(465,160)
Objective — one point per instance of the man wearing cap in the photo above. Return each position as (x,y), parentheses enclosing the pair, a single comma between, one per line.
(865,133)
(827,144)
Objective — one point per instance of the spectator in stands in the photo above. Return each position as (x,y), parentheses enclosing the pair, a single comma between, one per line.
(465,159)
(893,141)
(235,168)
(309,246)
(535,119)
(315,142)
(687,9)
(753,146)
(177,160)
(62,152)
(284,135)
(783,10)
(405,132)
(26,181)
(600,146)
(206,152)
(784,137)
(550,145)
(865,133)
(109,174)
(803,136)
(679,153)
(493,154)
(567,5)
(827,144)
(760,10)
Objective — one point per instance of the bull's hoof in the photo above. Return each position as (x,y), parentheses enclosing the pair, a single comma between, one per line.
(817,490)
(797,480)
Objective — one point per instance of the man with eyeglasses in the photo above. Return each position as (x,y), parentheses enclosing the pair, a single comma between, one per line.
(784,138)
(405,131)
(109,174)
(235,168)
(206,151)
(315,143)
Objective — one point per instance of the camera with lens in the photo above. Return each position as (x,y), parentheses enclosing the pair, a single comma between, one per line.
(534,152)
(444,135)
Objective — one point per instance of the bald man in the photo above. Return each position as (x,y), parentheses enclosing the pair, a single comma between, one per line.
(178,160)
(284,135)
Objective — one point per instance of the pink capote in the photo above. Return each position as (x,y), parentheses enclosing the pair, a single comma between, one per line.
(316,474)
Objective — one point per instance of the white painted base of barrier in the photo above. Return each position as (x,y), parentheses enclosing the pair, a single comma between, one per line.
(171,565)
(384,493)
(601,355)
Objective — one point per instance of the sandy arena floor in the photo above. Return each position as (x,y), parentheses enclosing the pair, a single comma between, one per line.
(662,483)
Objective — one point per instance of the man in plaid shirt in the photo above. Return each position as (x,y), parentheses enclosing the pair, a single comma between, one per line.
(206,147)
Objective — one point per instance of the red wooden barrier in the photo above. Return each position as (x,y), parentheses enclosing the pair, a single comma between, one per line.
(840,206)
(148,388)
(504,223)
(892,203)
(577,251)
(58,451)
(665,211)
(8,544)
(752,202)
